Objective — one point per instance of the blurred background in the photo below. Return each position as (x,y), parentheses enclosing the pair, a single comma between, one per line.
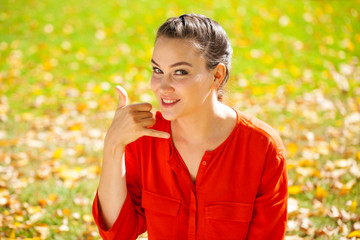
(295,66)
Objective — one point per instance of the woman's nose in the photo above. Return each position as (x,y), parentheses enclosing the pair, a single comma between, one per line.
(165,85)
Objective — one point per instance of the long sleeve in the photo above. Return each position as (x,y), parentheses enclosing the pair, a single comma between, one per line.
(130,222)
(270,209)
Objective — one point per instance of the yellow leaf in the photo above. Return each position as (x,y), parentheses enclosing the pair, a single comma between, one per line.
(139,77)
(42,224)
(140,29)
(17,224)
(268,59)
(13,234)
(94,169)
(306,163)
(290,166)
(316,173)
(350,46)
(320,193)
(66,211)
(81,107)
(247,55)
(78,169)
(43,229)
(68,174)
(357,37)
(258,91)
(306,171)
(241,42)
(87,218)
(328,9)
(280,65)
(343,191)
(27,116)
(79,149)
(346,188)
(52,197)
(106,102)
(294,70)
(19,218)
(354,234)
(34,209)
(58,153)
(325,74)
(4,143)
(290,88)
(76,127)
(83,51)
(282,128)
(47,65)
(271,89)
(353,205)
(42,202)
(37,91)
(294,189)
(97,89)
(292,149)
(358,154)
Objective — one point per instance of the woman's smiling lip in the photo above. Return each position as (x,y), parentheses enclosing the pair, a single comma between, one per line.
(169,102)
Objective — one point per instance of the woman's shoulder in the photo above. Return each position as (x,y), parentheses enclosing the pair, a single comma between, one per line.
(253,125)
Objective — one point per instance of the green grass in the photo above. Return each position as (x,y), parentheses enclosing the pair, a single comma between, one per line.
(56,58)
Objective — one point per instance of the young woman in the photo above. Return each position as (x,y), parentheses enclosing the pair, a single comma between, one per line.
(198,169)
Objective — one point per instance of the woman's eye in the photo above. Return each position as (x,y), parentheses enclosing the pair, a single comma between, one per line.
(181,72)
(156,70)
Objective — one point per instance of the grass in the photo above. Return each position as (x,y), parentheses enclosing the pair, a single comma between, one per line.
(60,61)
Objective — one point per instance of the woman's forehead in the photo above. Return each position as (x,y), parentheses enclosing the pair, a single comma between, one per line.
(165,42)
(174,49)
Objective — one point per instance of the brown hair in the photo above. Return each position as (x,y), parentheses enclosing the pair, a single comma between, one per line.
(208,36)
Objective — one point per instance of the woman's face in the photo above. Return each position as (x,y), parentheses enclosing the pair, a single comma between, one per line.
(181,82)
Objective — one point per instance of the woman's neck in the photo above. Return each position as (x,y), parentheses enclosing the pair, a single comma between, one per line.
(203,126)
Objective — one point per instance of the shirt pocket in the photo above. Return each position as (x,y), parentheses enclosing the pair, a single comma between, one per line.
(227,220)
(161,214)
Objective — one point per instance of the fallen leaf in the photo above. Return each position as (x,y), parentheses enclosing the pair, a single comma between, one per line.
(355,233)
(320,193)
(294,190)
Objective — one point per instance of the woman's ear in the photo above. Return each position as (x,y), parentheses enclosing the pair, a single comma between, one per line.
(219,73)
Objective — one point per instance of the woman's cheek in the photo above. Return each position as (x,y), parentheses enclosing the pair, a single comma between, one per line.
(155,82)
(180,80)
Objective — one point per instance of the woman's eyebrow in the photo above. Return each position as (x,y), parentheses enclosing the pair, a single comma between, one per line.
(174,65)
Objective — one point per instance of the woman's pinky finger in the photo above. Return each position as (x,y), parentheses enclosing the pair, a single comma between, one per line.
(155,133)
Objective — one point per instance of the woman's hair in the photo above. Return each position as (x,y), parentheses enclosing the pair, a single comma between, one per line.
(208,37)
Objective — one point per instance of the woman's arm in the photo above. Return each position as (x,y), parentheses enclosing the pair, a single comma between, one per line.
(130,123)
(112,189)
(270,209)
(129,221)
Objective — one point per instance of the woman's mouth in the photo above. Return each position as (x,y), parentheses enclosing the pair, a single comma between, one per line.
(169,102)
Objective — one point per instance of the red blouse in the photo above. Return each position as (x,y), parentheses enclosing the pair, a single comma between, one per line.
(240,190)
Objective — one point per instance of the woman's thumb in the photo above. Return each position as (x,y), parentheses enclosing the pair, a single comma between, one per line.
(123,97)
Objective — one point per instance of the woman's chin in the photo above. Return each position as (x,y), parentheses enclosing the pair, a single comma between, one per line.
(167,115)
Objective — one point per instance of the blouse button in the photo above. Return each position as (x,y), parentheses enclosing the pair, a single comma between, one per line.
(204,163)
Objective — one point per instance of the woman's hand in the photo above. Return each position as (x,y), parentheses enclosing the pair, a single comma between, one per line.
(130,123)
